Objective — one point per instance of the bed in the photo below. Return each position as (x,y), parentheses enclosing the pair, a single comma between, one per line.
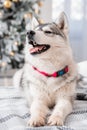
(14,112)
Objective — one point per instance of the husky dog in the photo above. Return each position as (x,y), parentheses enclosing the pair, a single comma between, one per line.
(48,78)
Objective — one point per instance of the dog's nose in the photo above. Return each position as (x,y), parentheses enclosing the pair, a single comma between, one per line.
(30,33)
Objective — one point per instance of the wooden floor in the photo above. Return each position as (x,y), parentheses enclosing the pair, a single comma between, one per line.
(6,82)
(6,77)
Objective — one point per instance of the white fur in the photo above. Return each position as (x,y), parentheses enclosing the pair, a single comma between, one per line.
(43,92)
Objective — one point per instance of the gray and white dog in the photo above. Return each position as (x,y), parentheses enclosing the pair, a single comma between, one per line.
(48,78)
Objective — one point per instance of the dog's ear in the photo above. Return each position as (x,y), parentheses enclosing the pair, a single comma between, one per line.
(34,23)
(62,22)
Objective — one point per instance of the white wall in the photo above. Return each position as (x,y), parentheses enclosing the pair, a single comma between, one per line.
(46,11)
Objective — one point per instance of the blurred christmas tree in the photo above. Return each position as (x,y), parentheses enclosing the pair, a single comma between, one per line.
(15,16)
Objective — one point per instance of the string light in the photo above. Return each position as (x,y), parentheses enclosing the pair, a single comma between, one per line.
(41,21)
(28,15)
(16,43)
(0,14)
(3,64)
(7,4)
(36,11)
(40,3)
(12,53)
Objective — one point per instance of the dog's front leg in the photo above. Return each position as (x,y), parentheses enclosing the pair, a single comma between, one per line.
(38,112)
(61,110)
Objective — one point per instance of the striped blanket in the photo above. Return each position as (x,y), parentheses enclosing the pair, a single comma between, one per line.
(14,113)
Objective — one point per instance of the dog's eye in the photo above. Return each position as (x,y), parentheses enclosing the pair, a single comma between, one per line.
(49,32)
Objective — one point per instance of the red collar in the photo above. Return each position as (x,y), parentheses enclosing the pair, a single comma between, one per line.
(55,74)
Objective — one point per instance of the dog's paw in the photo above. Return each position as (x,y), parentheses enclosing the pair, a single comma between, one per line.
(36,122)
(55,120)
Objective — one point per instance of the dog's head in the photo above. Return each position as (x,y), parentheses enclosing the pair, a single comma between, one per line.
(47,41)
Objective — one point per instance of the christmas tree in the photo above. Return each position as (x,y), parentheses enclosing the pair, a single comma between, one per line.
(15,16)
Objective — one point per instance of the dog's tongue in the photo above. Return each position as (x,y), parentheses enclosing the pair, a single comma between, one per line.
(36,49)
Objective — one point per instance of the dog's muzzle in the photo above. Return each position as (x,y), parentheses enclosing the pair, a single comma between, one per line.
(37,48)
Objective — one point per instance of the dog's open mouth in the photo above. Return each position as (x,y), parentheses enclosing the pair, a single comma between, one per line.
(37,49)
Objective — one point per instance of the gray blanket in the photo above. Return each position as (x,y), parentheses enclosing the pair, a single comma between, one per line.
(14,113)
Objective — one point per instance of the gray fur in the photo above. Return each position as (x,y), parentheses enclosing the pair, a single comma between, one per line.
(43,92)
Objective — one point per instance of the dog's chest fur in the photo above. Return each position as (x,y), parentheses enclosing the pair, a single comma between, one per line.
(45,88)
